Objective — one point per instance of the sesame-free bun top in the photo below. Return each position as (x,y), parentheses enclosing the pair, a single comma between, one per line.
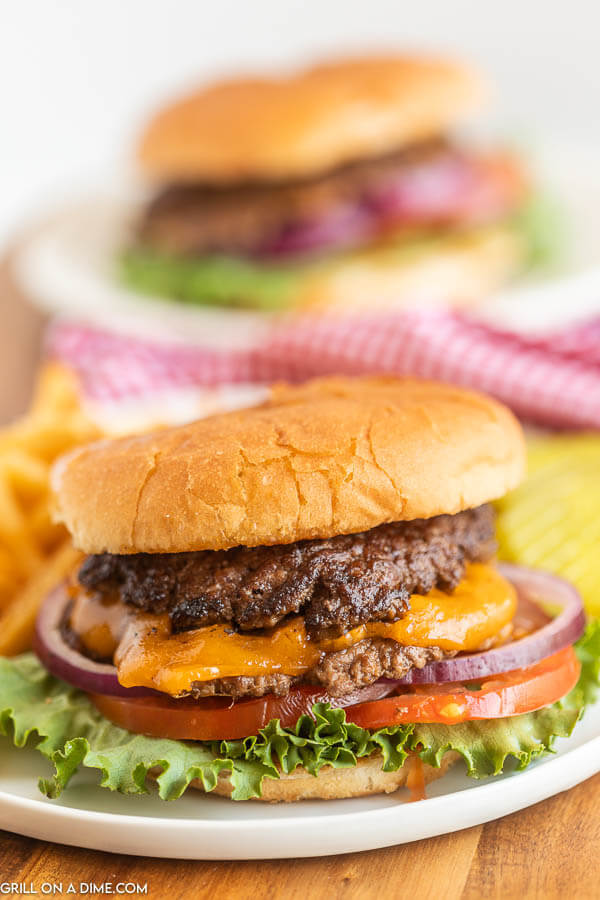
(332,456)
(263,128)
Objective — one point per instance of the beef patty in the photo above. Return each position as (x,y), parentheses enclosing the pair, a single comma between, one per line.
(335,584)
(339,673)
(195,219)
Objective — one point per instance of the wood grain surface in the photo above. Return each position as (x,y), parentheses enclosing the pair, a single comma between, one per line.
(550,850)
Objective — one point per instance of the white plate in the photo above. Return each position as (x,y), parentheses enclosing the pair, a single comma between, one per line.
(548,301)
(204,827)
(68,267)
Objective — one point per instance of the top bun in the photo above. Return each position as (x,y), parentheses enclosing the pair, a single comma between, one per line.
(332,456)
(308,122)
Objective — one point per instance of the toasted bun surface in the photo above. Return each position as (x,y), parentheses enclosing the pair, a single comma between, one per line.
(364,779)
(332,456)
(308,122)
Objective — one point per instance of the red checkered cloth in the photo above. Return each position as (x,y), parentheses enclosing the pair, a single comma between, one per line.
(553,381)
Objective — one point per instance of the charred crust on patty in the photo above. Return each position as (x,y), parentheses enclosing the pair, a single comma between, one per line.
(336,584)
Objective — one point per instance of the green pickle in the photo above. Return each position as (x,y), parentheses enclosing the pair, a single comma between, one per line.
(552,521)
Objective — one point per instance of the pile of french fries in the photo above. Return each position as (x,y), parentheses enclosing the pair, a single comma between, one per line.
(35,553)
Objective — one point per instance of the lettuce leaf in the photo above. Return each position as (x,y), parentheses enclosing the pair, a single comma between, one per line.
(246,283)
(541,222)
(38,710)
(225,281)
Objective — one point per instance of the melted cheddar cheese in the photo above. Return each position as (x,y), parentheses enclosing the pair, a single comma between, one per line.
(147,654)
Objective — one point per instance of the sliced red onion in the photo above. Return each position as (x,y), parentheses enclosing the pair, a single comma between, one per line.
(376,691)
(341,228)
(67,663)
(428,192)
(447,188)
(535,590)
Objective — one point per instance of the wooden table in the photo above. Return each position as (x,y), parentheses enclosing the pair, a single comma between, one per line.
(551,850)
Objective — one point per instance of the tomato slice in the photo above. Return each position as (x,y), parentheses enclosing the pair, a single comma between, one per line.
(212,719)
(219,718)
(509,694)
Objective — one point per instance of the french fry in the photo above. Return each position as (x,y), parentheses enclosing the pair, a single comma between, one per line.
(57,389)
(17,621)
(34,553)
(27,475)
(7,577)
(46,533)
(12,518)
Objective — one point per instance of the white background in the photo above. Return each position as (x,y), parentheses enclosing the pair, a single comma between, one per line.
(77,77)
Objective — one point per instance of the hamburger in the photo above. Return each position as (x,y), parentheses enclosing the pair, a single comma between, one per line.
(343,187)
(300,600)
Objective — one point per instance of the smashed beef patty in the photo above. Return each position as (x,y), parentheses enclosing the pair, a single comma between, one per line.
(339,673)
(335,584)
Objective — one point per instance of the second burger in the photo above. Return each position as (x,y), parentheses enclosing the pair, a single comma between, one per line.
(340,188)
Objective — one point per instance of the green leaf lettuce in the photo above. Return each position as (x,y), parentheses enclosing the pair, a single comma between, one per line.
(37,709)
(247,283)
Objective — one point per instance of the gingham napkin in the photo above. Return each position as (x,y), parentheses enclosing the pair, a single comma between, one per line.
(554,381)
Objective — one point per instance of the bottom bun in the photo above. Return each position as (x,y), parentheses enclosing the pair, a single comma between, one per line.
(366,778)
(458,270)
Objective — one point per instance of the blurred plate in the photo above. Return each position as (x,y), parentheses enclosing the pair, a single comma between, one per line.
(570,291)
(204,827)
(68,268)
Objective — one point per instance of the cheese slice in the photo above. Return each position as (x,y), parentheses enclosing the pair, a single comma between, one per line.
(147,654)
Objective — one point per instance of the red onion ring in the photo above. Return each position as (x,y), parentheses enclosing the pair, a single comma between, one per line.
(446,189)
(376,691)
(341,228)
(533,588)
(67,663)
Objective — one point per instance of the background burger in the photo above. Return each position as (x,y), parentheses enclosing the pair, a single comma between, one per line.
(336,188)
(300,600)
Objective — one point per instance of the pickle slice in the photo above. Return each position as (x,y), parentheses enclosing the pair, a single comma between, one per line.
(552,521)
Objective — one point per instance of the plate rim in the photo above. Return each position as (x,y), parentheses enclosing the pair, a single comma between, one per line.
(291,835)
